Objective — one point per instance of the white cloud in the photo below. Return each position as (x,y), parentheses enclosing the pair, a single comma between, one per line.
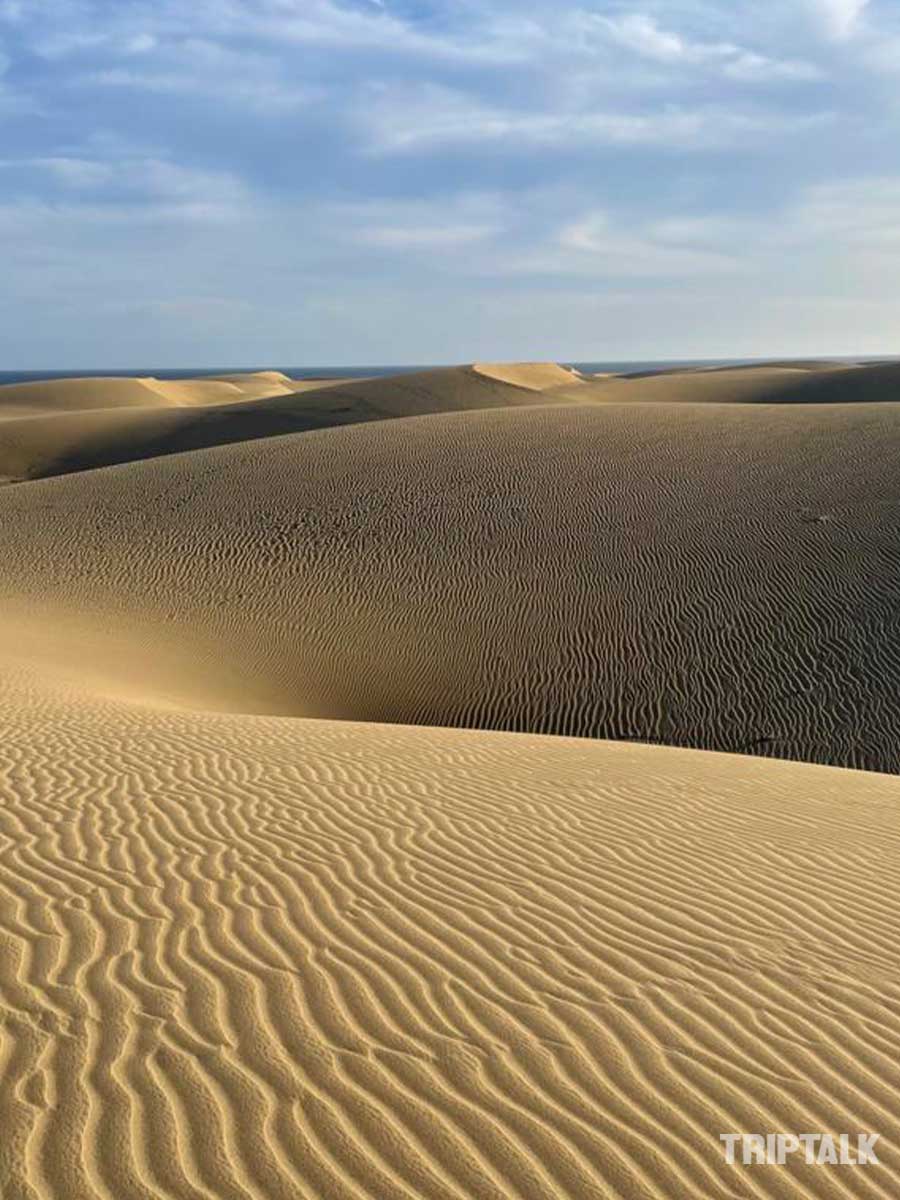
(599,246)
(198,66)
(749,67)
(642,35)
(443,223)
(839,18)
(842,232)
(429,117)
(133,189)
(137,26)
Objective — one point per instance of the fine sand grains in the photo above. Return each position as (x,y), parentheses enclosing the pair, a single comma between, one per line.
(724,577)
(267,932)
(251,957)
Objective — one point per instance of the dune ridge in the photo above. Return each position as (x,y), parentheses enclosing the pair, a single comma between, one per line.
(80,394)
(47,429)
(534,377)
(45,442)
(766,383)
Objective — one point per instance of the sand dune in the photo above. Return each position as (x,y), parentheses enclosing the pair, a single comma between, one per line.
(61,427)
(72,395)
(535,377)
(769,383)
(36,447)
(62,442)
(721,577)
(268,932)
(450,389)
(250,957)
(76,395)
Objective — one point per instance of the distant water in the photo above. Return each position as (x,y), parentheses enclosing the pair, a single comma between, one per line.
(625,367)
(199,372)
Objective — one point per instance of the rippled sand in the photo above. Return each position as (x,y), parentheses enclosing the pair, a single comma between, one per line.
(256,941)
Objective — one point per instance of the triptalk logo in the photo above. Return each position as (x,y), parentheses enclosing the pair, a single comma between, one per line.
(817,1149)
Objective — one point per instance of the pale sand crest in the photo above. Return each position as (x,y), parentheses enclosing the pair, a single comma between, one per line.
(535,377)
(75,395)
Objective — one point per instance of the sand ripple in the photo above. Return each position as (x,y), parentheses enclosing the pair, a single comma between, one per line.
(723,577)
(259,958)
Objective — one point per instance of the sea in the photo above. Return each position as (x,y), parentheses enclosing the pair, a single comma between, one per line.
(630,367)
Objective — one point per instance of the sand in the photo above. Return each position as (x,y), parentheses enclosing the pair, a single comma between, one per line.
(65,426)
(776,383)
(270,927)
(534,377)
(74,395)
(44,432)
(260,957)
(715,576)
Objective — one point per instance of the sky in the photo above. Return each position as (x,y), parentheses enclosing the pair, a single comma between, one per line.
(348,182)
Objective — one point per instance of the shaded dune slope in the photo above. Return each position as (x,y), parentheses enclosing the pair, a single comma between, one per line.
(725,578)
(262,959)
(75,428)
(36,447)
(763,384)
(33,448)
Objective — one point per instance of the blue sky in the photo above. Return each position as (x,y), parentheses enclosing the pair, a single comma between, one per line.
(303,182)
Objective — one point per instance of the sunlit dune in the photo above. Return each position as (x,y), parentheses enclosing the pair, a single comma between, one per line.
(297,897)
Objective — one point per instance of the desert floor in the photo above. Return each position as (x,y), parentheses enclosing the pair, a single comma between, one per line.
(299,897)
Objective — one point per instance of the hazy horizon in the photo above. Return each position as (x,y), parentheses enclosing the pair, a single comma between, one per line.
(188,371)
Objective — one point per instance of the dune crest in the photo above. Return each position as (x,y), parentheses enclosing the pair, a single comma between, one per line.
(49,396)
(535,377)
(192,415)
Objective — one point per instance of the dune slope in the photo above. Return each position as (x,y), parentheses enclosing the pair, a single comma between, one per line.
(768,383)
(52,442)
(720,577)
(262,958)
(535,377)
(65,426)
(77,395)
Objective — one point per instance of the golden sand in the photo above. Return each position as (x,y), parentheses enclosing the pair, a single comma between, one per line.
(270,928)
